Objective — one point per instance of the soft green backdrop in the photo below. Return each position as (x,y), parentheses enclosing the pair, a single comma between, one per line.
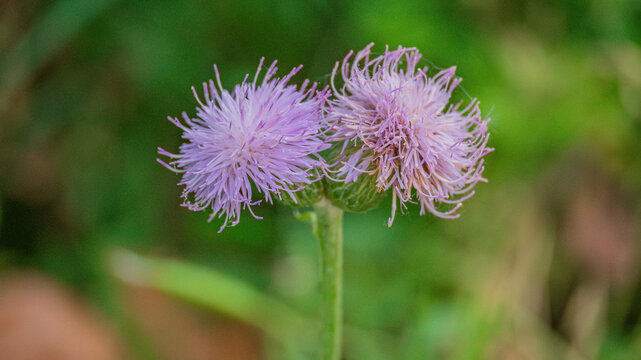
(86,86)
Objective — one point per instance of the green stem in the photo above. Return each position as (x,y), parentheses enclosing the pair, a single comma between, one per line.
(328,228)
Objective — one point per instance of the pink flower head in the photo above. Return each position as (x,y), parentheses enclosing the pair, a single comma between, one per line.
(263,135)
(402,130)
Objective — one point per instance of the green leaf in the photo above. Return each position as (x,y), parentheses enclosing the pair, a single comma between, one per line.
(215,291)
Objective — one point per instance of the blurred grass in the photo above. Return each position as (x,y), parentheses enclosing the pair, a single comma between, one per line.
(50,31)
(85,88)
(217,292)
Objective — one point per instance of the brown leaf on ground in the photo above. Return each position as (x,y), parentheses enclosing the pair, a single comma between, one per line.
(178,331)
(41,320)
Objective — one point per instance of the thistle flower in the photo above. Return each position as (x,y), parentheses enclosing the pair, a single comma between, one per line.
(399,128)
(262,135)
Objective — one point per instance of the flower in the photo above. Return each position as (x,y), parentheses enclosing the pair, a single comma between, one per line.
(397,125)
(264,136)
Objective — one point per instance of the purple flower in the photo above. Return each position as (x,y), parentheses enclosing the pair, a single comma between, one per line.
(399,127)
(263,135)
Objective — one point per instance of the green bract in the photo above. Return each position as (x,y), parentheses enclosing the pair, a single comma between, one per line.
(357,196)
(308,196)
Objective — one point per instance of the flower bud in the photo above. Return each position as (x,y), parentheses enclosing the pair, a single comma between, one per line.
(307,196)
(360,194)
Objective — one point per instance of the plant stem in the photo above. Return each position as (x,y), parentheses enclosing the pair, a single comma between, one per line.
(328,228)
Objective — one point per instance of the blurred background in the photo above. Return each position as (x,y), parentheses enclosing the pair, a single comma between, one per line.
(98,261)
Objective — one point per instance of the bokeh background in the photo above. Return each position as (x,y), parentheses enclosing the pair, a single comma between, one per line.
(98,261)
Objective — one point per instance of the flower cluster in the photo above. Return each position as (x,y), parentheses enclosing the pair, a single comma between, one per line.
(392,123)
(266,134)
(404,131)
